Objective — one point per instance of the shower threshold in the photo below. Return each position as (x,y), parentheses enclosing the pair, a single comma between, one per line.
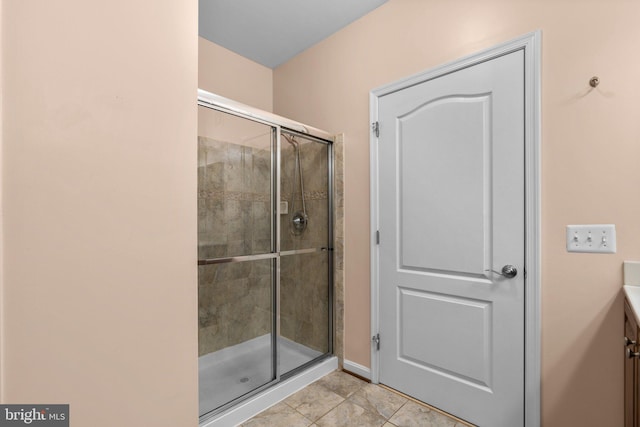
(237,370)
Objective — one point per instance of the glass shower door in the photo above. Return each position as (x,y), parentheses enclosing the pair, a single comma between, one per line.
(305,251)
(237,258)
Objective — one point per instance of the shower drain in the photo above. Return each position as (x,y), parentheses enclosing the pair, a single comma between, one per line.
(244,379)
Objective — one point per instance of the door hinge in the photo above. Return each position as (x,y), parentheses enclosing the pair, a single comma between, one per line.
(375,128)
(377,237)
(376,341)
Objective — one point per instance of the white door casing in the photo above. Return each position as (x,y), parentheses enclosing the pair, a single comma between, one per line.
(455,194)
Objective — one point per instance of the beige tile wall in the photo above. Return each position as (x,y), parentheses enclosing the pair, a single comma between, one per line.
(233,219)
(234,300)
(338,252)
(304,294)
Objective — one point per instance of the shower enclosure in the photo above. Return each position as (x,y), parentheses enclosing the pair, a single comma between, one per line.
(264,250)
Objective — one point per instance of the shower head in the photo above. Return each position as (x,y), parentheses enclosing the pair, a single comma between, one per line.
(290,139)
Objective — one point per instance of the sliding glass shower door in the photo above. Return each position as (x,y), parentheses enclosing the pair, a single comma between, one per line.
(264,254)
(236,257)
(305,250)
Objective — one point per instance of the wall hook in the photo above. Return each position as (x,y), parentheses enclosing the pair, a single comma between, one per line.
(595,81)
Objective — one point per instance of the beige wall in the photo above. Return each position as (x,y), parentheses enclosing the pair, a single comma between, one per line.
(99,197)
(590,152)
(228,74)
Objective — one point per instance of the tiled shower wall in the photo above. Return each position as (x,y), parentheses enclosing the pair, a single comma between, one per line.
(304,293)
(338,251)
(234,219)
(234,300)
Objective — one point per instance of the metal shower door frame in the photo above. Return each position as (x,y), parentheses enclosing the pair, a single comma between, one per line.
(278,125)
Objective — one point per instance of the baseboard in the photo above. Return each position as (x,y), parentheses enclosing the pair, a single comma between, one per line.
(356,368)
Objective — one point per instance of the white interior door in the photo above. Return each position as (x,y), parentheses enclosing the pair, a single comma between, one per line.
(451,216)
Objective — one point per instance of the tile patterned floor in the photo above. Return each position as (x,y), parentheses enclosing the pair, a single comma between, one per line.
(342,400)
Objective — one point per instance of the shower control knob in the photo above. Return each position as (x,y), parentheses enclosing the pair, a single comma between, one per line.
(299,222)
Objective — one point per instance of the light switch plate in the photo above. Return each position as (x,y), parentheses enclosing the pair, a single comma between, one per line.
(596,238)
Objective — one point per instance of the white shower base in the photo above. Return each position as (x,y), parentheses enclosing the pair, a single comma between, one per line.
(235,371)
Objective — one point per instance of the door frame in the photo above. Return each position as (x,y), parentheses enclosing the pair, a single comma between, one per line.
(530,45)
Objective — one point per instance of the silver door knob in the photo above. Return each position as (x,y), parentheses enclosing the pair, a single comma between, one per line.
(509,271)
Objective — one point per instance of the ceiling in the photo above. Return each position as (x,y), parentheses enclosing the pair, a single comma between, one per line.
(270,32)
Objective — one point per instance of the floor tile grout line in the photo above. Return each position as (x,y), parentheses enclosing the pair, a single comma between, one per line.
(409,399)
(367,381)
(347,399)
(332,386)
(361,387)
(426,405)
(367,410)
(331,409)
(322,416)
(351,375)
(401,406)
(312,422)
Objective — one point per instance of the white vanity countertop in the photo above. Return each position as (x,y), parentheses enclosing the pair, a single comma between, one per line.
(633,296)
